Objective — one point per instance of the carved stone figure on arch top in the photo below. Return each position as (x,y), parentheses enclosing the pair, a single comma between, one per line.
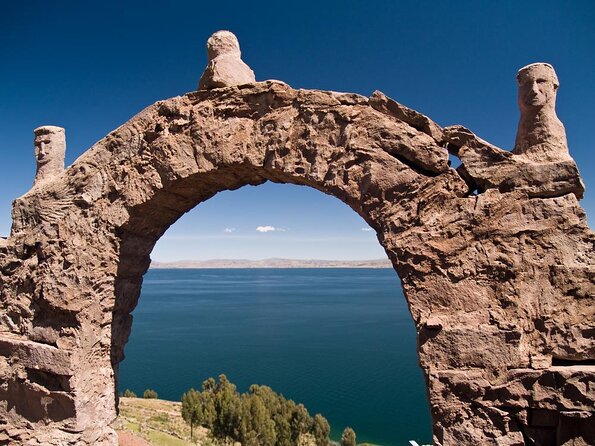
(225,66)
(540,136)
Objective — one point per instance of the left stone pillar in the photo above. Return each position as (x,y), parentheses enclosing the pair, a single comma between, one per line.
(50,150)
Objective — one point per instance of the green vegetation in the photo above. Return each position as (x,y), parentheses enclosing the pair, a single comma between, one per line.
(321,430)
(192,412)
(163,439)
(348,437)
(162,423)
(132,427)
(149,393)
(129,394)
(158,422)
(160,418)
(259,417)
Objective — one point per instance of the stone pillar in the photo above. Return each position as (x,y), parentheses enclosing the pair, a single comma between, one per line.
(50,149)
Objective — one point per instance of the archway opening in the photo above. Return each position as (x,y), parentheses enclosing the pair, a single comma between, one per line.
(340,340)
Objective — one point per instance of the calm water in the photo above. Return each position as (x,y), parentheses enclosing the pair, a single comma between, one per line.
(339,340)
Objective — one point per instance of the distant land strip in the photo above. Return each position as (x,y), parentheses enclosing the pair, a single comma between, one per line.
(272,263)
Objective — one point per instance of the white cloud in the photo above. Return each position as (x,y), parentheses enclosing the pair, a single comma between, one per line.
(266,228)
(270,229)
(229,230)
(367,229)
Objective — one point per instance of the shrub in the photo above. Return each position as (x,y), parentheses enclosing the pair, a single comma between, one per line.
(321,430)
(129,394)
(259,417)
(348,437)
(149,393)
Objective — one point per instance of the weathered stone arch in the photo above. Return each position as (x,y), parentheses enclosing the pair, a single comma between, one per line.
(499,284)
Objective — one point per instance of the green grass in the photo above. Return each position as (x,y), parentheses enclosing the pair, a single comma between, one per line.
(134,427)
(161,418)
(163,439)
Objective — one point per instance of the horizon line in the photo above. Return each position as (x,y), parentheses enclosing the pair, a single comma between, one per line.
(219,259)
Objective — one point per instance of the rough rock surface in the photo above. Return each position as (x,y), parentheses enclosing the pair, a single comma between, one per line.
(485,166)
(225,67)
(500,284)
(415,119)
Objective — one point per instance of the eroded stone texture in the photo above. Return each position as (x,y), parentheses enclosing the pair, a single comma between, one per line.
(500,284)
(415,119)
(50,149)
(485,166)
(225,66)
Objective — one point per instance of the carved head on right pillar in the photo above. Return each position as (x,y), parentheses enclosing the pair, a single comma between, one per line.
(50,149)
(541,135)
(538,85)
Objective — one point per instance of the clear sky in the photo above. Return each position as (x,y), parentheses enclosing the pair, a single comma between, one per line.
(90,66)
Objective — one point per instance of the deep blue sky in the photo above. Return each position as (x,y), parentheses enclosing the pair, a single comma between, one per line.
(90,66)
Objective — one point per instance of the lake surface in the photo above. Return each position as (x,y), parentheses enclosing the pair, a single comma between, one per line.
(341,341)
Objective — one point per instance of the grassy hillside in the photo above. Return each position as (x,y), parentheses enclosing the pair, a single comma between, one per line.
(154,422)
(157,422)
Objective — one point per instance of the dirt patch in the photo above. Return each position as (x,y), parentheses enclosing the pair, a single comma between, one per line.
(127,438)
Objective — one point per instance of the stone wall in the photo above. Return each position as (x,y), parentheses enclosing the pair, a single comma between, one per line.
(496,258)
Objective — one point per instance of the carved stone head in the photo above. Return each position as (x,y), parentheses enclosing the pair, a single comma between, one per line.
(222,42)
(540,135)
(225,67)
(538,85)
(50,150)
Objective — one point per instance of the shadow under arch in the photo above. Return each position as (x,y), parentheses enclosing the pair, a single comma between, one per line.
(82,244)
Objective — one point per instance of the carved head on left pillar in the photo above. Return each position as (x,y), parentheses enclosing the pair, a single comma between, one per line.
(50,150)
(541,135)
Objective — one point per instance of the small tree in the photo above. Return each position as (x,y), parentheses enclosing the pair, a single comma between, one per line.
(129,394)
(149,393)
(191,410)
(227,404)
(321,430)
(301,422)
(348,437)
(260,417)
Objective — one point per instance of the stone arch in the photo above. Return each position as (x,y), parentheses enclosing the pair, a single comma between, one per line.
(499,284)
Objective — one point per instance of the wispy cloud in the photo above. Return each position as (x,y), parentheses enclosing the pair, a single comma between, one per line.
(270,229)
(367,229)
(229,230)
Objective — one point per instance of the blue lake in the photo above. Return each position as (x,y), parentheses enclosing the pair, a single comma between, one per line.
(341,341)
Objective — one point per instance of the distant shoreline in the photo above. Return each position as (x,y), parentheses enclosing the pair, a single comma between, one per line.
(270,263)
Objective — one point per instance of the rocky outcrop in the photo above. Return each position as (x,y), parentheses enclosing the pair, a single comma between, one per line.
(500,281)
(485,166)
